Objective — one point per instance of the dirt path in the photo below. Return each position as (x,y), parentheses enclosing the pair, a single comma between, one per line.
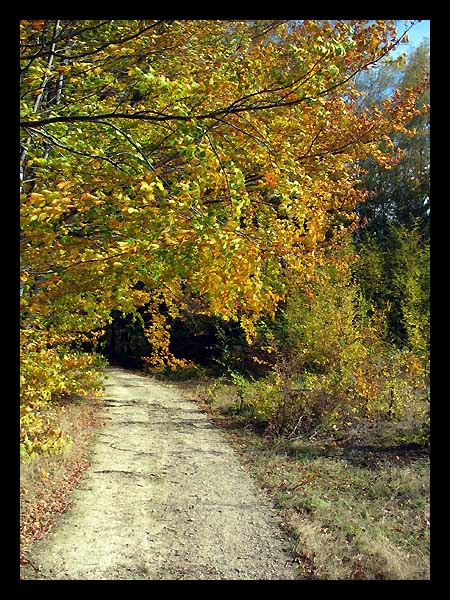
(165,498)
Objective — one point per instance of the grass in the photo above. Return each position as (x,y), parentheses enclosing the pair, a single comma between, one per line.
(352,511)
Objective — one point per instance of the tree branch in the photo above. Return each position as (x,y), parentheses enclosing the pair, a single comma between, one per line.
(58,143)
(234,108)
(52,51)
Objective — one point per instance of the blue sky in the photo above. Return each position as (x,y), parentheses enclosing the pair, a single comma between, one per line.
(416,34)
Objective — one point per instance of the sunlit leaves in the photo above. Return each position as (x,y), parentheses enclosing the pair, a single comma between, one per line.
(206,160)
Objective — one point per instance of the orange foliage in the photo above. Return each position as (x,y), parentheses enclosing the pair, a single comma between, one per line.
(205,159)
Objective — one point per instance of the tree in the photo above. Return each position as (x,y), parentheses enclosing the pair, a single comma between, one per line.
(394,243)
(198,165)
(401,194)
(393,272)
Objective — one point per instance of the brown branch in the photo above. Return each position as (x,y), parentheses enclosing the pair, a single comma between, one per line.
(53,52)
(61,269)
(340,149)
(233,108)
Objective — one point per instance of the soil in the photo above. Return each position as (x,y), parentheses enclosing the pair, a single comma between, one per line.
(165,497)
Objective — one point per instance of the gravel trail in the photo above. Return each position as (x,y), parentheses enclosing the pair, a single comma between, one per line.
(165,497)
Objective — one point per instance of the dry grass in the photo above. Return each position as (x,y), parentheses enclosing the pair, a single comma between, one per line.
(354,512)
(353,520)
(46,482)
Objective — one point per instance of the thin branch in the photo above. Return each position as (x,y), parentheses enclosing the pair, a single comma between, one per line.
(38,100)
(340,149)
(58,143)
(220,162)
(234,108)
(61,269)
(52,51)
(313,141)
(135,146)
(247,133)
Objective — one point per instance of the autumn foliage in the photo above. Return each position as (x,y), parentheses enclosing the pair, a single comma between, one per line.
(204,166)
(330,369)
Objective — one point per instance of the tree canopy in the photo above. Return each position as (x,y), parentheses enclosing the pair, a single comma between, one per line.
(400,195)
(199,165)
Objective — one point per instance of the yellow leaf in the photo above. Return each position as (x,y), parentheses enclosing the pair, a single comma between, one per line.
(88,197)
(37,25)
(62,184)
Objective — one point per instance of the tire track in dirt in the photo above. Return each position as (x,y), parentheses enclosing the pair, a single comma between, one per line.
(165,497)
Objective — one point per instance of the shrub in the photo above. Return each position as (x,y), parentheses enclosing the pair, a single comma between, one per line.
(46,375)
(394,274)
(332,370)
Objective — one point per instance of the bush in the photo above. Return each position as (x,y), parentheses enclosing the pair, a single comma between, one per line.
(332,371)
(394,274)
(47,375)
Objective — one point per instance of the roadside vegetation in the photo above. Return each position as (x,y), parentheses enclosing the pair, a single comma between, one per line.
(352,510)
(261,241)
(47,480)
(329,406)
